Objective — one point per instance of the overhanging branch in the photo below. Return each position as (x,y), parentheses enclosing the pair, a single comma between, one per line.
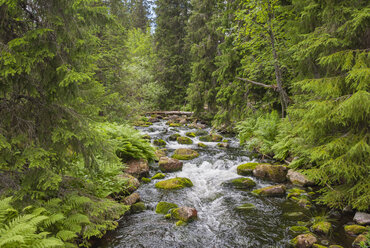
(274,87)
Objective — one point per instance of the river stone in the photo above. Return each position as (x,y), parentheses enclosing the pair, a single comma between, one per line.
(246,206)
(153,120)
(276,173)
(336,246)
(359,239)
(246,169)
(169,164)
(132,182)
(274,190)
(174,183)
(138,207)
(185,154)
(354,229)
(184,140)
(173,137)
(299,229)
(160,153)
(318,246)
(186,214)
(362,218)
(159,142)
(223,145)
(322,227)
(164,207)
(131,199)
(298,178)
(211,138)
(190,134)
(200,144)
(201,133)
(304,240)
(158,176)
(243,183)
(138,168)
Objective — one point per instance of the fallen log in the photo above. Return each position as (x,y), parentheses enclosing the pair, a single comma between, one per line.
(169,113)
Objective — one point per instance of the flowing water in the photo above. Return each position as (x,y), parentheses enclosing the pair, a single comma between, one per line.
(219,223)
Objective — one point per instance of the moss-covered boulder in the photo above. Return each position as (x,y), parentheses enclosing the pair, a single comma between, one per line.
(146,136)
(354,229)
(304,240)
(298,229)
(190,134)
(184,140)
(174,183)
(142,123)
(246,207)
(360,241)
(132,182)
(181,223)
(243,183)
(318,246)
(138,207)
(158,176)
(169,164)
(298,178)
(246,169)
(137,167)
(322,227)
(164,207)
(223,145)
(201,133)
(276,173)
(173,137)
(185,154)
(175,124)
(211,138)
(146,180)
(336,246)
(202,145)
(160,153)
(295,192)
(159,142)
(131,199)
(186,214)
(274,190)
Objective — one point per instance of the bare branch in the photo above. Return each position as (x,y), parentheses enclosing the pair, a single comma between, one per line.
(274,87)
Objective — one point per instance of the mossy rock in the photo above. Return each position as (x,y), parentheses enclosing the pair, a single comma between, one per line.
(246,169)
(159,142)
(361,239)
(202,145)
(146,180)
(298,229)
(211,138)
(319,246)
(184,140)
(294,215)
(190,134)
(174,183)
(295,192)
(146,136)
(201,133)
(185,154)
(168,216)
(246,207)
(186,214)
(164,207)
(175,125)
(276,173)
(181,223)
(243,183)
(138,207)
(142,123)
(158,176)
(160,153)
(336,246)
(321,227)
(354,229)
(173,137)
(274,190)
(223,145)
(304,240)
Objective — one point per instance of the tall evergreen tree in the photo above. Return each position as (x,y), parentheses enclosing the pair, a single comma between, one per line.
(139,14)
(172,69)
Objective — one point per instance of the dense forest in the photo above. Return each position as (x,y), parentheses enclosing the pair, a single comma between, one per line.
(290,78)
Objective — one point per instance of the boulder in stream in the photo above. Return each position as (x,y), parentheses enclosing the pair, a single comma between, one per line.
(174,183)
(138,168)
(186,214)
(298,178)
(298,229)
(173,137)
(362,218)
(201,133)
(246,169)
(276,173)
(274,190)
(160,153)
(132,182)
(138,207)
(169,164)
(190,134)
(131,199)
(200,144)
(159,142)
(211,138)
(304,240)
(354,230)
(158,176)
(185,154)
(322,227)
(243,183)
(164,207)
(360,239)
(184,140)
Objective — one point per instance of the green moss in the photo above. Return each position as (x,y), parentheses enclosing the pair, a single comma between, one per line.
(142,123)
(246,169)
(354,229)
(159,142)
(185,154)
(146,136)
(225,141)
(318,246)
(243,183)
(181,223)
(184,140)
(202,145)
(138,207)
(201,133)
(168,216)
(321,227)
(175,125)
(206,138)
(160,153)
(298,229)
(336,246)
(174,183)
(246,206)
(158,176)
(146,180)
(266,191)
(173,137)
(164,207)
(295,192)
(294,241)
(294,215)
(190,134)
(216,138)
(211,138)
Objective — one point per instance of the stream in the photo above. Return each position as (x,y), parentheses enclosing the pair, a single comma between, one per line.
(219,223)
